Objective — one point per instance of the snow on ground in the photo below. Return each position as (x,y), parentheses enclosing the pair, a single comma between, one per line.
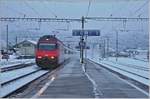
(132,68)
(12,62)
(141,57)
(11,87)
(6,76)
(12,57)
(128,62)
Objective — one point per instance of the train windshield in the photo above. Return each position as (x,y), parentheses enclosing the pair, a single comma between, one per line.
(45,46)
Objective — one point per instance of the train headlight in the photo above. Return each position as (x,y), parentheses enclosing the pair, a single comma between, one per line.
(39,57)
(52,57)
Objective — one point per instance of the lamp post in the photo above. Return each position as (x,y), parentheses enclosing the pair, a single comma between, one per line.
(82,40)
(7,39)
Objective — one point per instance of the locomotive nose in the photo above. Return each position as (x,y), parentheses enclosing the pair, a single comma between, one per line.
(50,56)
(39,57)
(46,56)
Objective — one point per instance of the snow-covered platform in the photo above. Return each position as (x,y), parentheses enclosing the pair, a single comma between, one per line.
(135,69)
(73,82)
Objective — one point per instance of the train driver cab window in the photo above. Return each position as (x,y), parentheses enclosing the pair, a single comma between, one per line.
(46,46)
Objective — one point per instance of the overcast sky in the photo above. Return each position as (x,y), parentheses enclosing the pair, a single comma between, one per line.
(71,9)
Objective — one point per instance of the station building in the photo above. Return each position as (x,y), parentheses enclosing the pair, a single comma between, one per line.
(26,48)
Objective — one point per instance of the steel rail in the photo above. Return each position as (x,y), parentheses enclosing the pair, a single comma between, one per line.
(11,83)
(19,77)
(30,79)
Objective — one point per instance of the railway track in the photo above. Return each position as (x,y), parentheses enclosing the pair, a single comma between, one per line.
(15,79)
(14,67)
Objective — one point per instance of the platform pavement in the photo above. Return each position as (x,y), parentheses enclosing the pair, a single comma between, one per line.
(110,85)
(72,82)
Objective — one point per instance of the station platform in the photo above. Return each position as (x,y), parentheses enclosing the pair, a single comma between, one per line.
(73,82)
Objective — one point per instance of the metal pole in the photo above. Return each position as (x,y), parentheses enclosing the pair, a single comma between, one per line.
(7,39)
(100,52)
(93,51)
(80,49)
(116,45)
(82,40)
(86,47)
(85,52)
(104,48)
(16,40)
(107,47)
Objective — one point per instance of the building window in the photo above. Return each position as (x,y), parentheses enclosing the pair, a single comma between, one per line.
(26,45)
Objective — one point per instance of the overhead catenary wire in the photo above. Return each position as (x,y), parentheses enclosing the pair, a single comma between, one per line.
(37,13)
(14,10)
(133,12)
(54,14)
(145,3)
(111,14)
(138,9)
(49,9)
(88,9)
(2,4)
(124,24)
(26,3)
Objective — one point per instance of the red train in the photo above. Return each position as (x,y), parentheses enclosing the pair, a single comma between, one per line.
(49,52)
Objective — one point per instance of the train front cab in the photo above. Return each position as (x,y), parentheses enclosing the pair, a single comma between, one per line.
(47,55)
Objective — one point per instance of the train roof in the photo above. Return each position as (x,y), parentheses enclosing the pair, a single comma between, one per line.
(49,37)
(54,37)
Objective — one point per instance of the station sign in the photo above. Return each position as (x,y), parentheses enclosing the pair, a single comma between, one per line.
(77,32)
(86,32)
